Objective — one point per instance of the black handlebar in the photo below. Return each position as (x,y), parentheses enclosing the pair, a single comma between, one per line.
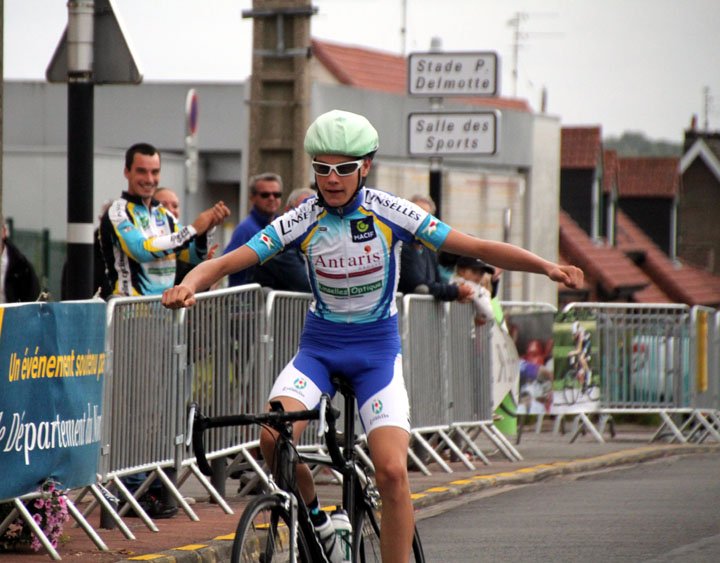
(276,419)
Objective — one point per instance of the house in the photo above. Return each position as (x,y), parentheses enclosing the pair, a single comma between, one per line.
(648,190)
(581,169)
(698,230)
(617,223)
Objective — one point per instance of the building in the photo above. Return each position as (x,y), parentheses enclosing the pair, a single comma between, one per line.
(618,222)
(520,181)
(698,230)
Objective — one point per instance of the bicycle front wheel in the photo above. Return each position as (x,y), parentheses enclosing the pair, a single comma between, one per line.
(263,533)
(571,392)
(366,539)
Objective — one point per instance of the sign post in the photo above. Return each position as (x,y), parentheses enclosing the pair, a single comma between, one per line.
(191,147)
(436,134)
(93,50)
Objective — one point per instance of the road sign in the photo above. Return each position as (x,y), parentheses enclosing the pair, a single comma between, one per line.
(453,74)
(453,133)
(113,60)
(191,111)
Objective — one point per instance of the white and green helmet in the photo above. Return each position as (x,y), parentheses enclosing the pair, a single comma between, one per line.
(343,133)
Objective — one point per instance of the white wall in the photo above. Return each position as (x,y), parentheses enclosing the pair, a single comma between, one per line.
(35,185)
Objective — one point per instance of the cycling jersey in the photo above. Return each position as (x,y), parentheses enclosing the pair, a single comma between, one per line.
(352,257)
(352,254)
(140,246)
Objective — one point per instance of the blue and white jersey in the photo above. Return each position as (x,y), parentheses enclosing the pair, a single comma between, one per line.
(141,245)
(352,256)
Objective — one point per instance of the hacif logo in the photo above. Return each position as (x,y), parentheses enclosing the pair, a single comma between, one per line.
(376,406)
(300,383)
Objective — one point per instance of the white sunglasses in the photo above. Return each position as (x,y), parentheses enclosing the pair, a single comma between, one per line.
(342,169)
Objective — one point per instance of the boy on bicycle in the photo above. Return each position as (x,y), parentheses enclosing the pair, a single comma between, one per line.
(350,236)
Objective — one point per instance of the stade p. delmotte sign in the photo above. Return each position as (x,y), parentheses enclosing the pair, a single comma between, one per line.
(50,394)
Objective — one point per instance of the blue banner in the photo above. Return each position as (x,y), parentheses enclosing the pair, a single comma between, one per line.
(52,362)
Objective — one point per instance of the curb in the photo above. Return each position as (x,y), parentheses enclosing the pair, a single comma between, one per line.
(533,474)
(219,548)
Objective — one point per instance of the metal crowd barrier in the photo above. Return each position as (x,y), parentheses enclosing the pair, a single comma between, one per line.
(224,354)
(447,373)
(657,359)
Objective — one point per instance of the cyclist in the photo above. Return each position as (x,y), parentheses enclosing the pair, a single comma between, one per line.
(350,236)
(583,341)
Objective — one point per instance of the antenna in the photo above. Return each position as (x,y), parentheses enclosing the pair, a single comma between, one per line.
(519,35)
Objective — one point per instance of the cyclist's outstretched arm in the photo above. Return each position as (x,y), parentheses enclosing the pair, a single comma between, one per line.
(510,257)
(206,274)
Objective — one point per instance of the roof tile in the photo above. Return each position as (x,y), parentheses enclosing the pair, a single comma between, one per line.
(607,265)
(580,147)
(648,177)
(683,283)
(609,171)
(385,72)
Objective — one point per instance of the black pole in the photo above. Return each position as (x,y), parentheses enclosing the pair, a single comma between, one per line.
(436,186)
(80,189)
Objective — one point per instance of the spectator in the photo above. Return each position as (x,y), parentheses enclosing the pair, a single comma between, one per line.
(477,275)
(18,281)
(170,201)
(419,267)
(265,196)
(141,241)
(287,271)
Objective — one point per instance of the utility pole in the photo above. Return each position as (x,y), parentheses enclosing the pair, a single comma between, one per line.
(280,89)
(80,37)
(92,50)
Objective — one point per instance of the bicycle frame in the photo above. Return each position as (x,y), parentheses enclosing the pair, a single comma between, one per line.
(284,483)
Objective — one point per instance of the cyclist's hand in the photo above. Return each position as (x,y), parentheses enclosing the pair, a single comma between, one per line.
(571,276)
(178,297)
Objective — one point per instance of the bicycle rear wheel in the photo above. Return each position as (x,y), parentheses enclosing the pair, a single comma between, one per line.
(263,533)
(366,539)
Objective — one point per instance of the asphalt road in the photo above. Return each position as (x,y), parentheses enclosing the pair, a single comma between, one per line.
(661,511)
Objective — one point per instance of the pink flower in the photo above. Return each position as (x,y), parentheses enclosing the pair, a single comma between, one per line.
(39,503)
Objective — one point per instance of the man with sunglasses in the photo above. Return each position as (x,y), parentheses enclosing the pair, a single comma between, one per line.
(265,197)
(351,236)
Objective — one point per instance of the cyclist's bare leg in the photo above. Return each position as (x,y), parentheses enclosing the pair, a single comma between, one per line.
(306,485)
(388,450)
(585,370)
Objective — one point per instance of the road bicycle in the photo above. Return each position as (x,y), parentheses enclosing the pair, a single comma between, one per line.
(276,526)
(575,386)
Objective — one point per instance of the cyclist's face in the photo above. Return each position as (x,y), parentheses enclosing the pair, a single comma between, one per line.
(337,190)
(144,175)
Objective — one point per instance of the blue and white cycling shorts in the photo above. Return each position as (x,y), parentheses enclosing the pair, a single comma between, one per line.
(368,354)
